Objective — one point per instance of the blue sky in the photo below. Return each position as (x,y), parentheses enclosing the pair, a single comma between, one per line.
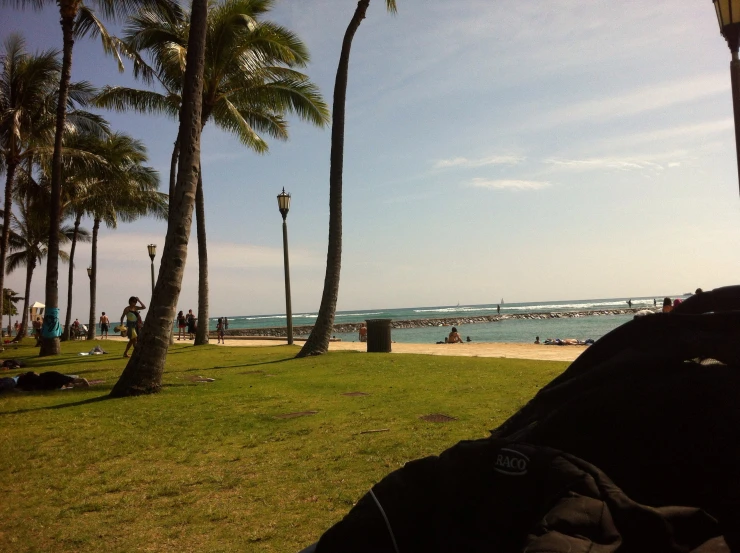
(524,150)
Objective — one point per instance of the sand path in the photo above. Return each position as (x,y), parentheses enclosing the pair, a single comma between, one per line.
(472,349)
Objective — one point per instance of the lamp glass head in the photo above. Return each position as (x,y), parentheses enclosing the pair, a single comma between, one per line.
(89,272)
(728,13)
(283,202)
(152,250)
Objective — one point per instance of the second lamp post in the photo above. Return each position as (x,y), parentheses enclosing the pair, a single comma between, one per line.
(152,254)
(284,206)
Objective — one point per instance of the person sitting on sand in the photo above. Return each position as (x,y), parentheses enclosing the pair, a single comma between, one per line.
(454,337)
(667,306)
(536,339)
(468,339)
(363,333)
(131,314)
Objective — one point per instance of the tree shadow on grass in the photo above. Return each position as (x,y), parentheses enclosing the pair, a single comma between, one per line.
(61,406)
(219,367)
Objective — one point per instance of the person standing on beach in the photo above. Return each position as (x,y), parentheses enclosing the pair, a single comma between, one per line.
(629,302)
(498,309)
(104,324)
(131,314)
(363,332)
(220,331)
(190,318)
(37,324)
(181,324)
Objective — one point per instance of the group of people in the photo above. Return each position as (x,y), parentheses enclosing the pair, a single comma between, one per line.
(50,380)
(454,338)
(186,323)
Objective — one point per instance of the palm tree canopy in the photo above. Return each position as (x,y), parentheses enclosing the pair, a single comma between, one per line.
(250,83)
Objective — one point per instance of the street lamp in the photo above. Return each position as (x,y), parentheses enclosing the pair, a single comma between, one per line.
(728,15)
(284,206)
(152,253)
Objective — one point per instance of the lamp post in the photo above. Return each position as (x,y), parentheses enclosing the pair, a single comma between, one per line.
(152,253)
(728,16)
(284,206)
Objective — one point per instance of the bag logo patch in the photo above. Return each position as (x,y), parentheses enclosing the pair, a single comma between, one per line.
(511,462)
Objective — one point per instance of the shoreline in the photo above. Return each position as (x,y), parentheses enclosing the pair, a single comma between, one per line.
(502,350)
(346,328)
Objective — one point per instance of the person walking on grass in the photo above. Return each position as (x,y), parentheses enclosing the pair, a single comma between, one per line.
(131,314)
(104,325)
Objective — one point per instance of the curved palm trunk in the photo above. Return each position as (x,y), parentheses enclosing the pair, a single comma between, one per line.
(318,341)
(93,281)
(8,206)
(49,342)
(30,266)
(143,373)
(70,279)
(201,333)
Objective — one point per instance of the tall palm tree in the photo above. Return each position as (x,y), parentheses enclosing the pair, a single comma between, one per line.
(126,191)
(318,340)
(30,247)
(77,19)
(143,373)
(250,84)
(25,83)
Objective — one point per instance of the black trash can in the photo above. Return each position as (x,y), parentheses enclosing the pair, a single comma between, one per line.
(379,335)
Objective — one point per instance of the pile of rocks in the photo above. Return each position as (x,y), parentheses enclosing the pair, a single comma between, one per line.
(439,322)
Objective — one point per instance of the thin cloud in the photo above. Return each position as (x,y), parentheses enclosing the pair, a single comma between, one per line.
(509,184)
(480,162)
(642,100)
(626,163)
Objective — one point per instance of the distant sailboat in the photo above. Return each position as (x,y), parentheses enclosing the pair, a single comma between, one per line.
(502,301)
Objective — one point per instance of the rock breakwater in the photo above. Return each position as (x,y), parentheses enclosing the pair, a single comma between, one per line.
(438,322)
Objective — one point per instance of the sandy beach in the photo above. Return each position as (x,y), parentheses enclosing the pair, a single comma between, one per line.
(471,349)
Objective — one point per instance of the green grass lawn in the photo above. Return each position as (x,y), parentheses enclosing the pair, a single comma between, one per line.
(207,466)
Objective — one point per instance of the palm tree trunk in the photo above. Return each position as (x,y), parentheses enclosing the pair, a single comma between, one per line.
(201,334)
(50,331)
(173,171)
(30,266)
(70,279)
(10,172)
(143,373)
(318,340)
(93,277)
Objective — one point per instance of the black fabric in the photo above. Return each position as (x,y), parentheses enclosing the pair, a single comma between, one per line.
(50,380)
(497,496)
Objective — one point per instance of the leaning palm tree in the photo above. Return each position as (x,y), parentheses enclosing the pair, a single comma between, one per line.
(250,84)
(318,340)
(143,373)
(76,19)
(25,82)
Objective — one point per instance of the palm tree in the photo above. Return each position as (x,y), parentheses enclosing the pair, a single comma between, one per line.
(250,85)
(125,192)
(318,340)
(10,298)
(25,83)
(30,246)
(143,373)
(77,19)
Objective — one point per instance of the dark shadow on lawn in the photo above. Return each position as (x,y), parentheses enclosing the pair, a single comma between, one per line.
(62,406)
(218,367)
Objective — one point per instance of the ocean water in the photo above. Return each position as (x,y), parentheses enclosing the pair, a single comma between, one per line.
(509,330)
